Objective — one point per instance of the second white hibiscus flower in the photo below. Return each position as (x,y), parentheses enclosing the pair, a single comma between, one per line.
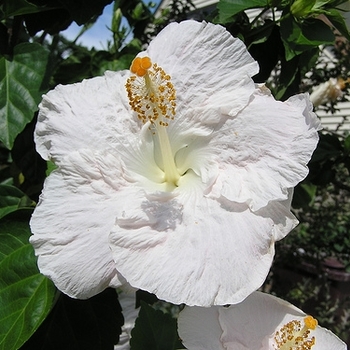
(175,177)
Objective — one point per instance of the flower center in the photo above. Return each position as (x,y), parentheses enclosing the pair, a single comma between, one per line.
(153,97)
(295,336)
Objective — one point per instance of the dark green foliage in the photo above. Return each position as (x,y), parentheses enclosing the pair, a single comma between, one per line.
(93,324)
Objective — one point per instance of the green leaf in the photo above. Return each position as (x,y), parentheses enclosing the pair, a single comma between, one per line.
(154,330)
(302,36)
(20,86)
(229,8)
(347,144)
(13,199)
(26,296)
(50,167)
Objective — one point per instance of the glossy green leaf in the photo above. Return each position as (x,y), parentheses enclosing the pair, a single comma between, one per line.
(154,330)
(13,199)
(229,8)
(26,296)
(299,37)
(20,86)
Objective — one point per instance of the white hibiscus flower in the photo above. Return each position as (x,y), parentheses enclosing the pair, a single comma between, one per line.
(261,322)
(175,177)
(328,91)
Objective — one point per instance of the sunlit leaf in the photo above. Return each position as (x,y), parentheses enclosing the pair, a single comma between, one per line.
(26,296)
(229,8)
(299,37)
(20,86)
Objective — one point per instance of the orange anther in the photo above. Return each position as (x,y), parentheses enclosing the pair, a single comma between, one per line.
(146,62)
(140,65)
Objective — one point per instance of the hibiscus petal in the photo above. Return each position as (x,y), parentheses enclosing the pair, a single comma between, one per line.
(264,151)
(196,250)
(92,114)
(72,222)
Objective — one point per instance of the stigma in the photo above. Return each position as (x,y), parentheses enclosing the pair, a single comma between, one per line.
(152,96)
(295,335)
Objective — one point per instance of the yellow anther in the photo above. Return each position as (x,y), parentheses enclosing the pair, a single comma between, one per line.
(310,322)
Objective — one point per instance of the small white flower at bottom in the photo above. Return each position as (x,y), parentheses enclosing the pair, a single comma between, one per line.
(260,322)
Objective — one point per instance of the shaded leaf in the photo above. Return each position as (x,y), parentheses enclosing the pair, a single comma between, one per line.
(328,147)
(79,11)
(93,324)
(154,330)
(20,7)
(338,21)
(20,85)
(146,297)
(26,296)
(347,144)
(82,11)
(267,53)
(304,194)
(13,199)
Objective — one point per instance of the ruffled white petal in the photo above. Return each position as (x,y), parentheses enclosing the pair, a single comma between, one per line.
(72,221)
(196,250)
(264,151)
(93,114)
(246,326)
